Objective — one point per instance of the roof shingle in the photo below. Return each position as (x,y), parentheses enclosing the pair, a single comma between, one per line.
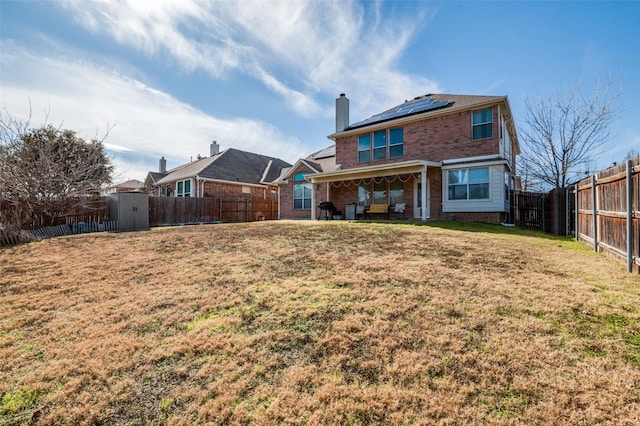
(231,165)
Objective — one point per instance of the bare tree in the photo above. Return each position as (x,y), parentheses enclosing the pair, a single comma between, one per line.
(44,170)
(564,134)
(631,155)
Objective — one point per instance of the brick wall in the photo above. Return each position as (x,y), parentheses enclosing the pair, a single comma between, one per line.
(487,217)
(435,139)
(345,194)
(286,197)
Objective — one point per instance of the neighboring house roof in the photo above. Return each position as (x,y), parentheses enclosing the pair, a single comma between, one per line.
(155,176)
(441,104)
(319,162)
(231,165)
(130,184)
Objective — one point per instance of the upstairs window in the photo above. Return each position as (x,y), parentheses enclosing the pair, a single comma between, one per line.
(380,145)
(396,142)
(469,184)
(387,143)
(364,148)
(483,124)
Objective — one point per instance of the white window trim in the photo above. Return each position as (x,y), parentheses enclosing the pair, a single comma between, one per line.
(178,194)
(387,146)
(302,181)
(369,150)
(445,172)
(481,124)
(310,185)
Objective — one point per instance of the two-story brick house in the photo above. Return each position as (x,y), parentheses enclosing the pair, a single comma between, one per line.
(442,156)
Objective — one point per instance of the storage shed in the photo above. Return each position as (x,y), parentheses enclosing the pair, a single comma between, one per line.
(131,210)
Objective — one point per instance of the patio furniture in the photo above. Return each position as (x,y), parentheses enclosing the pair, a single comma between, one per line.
(399,209)
(376,210)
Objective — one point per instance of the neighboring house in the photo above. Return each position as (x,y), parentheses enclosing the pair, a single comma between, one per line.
(228,174)
(132,185)
(442,156)
(152,179)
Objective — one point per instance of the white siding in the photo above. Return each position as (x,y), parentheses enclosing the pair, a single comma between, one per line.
(495,203)
(505,142)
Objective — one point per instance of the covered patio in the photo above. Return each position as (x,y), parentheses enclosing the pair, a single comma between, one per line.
(403,182)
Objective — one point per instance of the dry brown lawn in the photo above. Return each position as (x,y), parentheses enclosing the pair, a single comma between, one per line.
(317,323)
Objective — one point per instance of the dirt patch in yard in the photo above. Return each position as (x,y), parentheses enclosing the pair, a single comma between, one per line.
(317,323)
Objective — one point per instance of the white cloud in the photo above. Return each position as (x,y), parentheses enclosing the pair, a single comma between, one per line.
(321,47)
(144,123)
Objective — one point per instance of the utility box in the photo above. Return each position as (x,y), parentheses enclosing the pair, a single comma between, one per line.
(130,209)
(350,211)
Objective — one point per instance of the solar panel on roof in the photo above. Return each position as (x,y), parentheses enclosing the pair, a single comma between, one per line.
(407,108)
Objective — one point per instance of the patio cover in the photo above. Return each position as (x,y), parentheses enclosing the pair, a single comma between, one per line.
(367,172)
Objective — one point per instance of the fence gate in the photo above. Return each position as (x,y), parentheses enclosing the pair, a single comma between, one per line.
(530,209)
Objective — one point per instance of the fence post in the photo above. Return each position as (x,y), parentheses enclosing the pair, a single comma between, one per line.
(575,206)
(595,213)
(567,211)
(544,214)
(629,219)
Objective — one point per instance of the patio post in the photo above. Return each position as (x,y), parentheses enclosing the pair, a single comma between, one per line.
(423,190)
(313,201)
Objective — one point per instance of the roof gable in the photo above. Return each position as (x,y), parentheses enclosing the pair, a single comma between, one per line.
(318,162)
(301,162)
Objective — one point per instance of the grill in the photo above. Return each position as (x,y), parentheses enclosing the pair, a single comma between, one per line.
(328,208)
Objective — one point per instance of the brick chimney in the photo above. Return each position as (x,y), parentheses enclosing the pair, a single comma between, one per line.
(342,113)
(163,165)
(214,148)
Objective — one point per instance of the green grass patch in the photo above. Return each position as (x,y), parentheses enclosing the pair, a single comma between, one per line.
(18,401)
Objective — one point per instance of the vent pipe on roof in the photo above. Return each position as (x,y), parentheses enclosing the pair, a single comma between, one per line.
(342,113)
(214,148)
(163,165)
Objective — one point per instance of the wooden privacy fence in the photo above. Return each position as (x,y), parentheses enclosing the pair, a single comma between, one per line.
(608,212)
(165,211)
(87,214)
(530,209)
